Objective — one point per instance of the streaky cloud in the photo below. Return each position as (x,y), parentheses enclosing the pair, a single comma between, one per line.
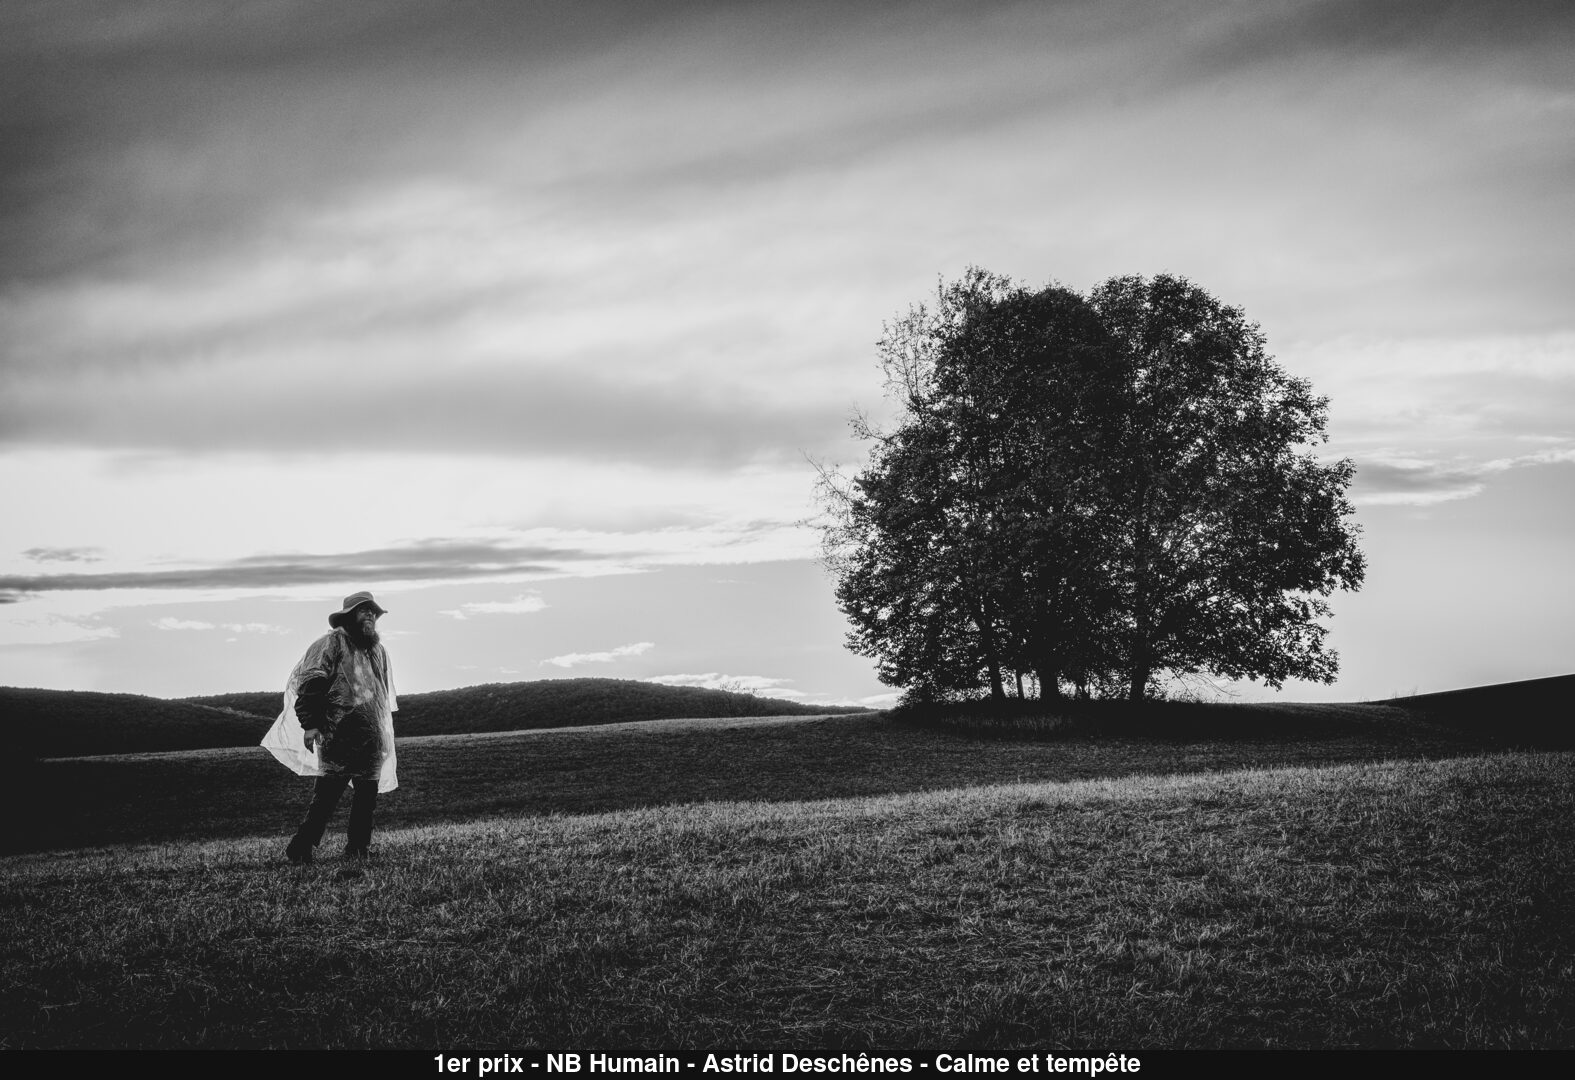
(524,604)
(63,554)
(1420,483)
(427,561)
(569,660)
(1425,30)
(717,680)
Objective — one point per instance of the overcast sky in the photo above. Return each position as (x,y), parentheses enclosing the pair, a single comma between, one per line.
(527,316)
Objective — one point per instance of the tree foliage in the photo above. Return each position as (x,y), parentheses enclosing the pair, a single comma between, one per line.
(1089,492)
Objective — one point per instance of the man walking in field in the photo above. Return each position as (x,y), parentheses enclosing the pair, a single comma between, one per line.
(338,726)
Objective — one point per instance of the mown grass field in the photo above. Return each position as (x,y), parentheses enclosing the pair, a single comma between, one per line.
(817,884)
(234,792)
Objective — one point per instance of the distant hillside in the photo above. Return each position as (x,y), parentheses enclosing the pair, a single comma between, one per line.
(547,703)
(1532,711)
(65,723)
(257,703)
(577,702)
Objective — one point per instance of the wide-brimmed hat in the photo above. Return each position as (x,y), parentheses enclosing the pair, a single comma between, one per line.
(353,601)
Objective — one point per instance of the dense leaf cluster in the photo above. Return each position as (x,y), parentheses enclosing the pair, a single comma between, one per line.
(1089,492)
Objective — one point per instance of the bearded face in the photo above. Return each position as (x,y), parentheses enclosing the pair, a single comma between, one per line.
(362,626)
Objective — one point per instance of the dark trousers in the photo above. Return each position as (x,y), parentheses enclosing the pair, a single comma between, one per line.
(325,797)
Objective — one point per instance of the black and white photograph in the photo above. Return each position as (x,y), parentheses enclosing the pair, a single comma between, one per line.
(737,536)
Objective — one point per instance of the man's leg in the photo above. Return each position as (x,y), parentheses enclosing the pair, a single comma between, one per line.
(363,801)
(325,796)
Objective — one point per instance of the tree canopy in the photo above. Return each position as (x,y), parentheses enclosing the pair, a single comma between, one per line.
(1088,492)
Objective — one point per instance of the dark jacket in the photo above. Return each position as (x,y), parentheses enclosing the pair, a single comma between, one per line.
(344,691)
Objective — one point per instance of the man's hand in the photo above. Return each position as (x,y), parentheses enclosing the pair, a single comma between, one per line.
(312,735)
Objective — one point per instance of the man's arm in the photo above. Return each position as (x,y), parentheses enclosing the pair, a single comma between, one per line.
(311,708)
(314,678)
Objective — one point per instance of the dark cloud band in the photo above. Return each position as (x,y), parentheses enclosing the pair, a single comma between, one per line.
(430,561)
(1421,479)
(62,554)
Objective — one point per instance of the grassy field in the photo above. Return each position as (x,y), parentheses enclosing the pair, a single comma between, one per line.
(1365,880)
(236,792)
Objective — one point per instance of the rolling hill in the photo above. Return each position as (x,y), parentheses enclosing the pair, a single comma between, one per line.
(68,723)
(1532,711)
(64,723)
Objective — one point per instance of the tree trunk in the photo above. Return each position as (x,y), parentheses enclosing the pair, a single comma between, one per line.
(1142,658)
(982,618)
(1140,674)
(1048,654)
(1049,686)
(1142,627)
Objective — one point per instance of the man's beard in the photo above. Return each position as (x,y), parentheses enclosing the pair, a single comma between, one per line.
(360,637)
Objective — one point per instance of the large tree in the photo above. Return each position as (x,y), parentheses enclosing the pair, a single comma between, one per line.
(1085,490)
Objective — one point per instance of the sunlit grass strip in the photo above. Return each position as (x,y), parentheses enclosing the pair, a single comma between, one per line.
(1401,904)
